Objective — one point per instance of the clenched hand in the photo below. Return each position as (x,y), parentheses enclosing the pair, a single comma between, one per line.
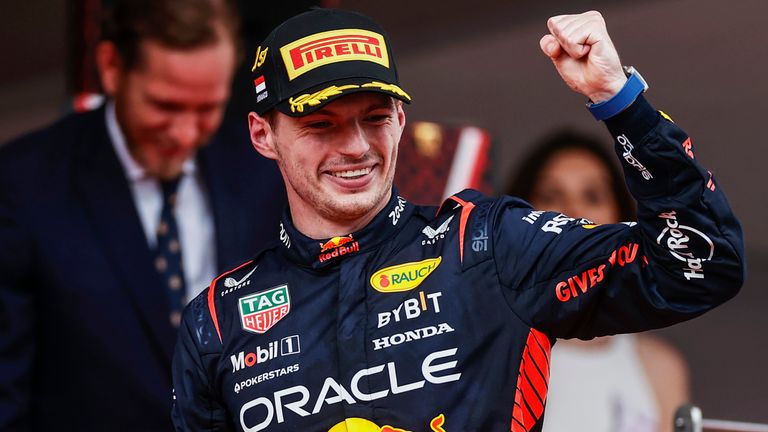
(582,52)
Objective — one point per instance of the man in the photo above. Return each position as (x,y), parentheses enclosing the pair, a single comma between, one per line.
(378,315)
(97,252)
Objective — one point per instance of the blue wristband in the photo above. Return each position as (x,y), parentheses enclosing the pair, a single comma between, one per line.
(634,86)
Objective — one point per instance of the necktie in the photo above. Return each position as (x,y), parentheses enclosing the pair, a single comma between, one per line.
(168,252)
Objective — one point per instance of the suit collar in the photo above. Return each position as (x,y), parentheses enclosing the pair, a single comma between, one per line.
(325,252)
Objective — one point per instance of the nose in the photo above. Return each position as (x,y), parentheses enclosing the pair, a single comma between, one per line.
(355,143)
(184,130)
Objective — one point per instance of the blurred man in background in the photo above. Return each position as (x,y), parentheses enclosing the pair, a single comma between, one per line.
(111,220)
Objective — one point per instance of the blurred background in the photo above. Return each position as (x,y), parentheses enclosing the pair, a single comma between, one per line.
(475,63)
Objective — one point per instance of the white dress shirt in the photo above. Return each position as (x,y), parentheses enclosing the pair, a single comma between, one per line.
(193,211)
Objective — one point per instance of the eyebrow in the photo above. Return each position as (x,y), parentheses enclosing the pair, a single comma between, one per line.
(372,107)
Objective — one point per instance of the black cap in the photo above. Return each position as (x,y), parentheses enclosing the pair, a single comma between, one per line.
(318,56)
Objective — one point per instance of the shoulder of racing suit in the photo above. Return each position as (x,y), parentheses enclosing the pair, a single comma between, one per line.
(477,214)
(204,311)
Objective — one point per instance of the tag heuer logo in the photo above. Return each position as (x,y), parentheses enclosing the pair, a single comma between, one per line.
(260,311)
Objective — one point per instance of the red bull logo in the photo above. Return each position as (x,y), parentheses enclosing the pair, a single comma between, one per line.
(333,46)
(337,247)
(357,424)
(335,242)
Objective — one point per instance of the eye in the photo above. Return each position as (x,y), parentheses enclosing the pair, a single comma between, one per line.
(377,118)
(318,125)
(596,197)
(208,109)
(167,106)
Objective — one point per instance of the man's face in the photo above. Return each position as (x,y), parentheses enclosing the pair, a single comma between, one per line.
(338,163)
(171,102)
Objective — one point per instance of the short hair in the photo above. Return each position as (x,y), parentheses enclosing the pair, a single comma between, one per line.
(178,24)
(271,118)
(524,181)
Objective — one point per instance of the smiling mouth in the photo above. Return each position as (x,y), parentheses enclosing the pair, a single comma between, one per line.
(351,174)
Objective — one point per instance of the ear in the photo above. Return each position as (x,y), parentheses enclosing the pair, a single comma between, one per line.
(400,118)
(262,136)
(400,114)
(110,65)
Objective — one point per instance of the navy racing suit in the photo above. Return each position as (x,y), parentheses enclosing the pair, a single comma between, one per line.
(442,319)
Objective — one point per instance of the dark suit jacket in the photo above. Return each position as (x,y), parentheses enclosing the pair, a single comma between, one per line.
(85,339)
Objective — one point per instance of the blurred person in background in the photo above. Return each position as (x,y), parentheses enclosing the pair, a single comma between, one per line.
(627,383)
(110,220)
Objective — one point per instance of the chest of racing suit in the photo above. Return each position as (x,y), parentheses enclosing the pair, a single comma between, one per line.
(442,319)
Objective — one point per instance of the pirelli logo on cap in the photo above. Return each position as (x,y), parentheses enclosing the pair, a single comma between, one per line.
(333,46)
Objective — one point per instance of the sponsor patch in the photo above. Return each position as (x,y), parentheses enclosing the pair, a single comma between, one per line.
(411,308)
(630,159)
(266,376)
(319,49)
(261,311)
(435,234)
(233,284)
(284,237)
(403,277)
(357,424)
(480,228)
(581,283)
(285,404)
(261,88)
(666,116)
(410,336)
(395,213)
(533,216)
(285,346)
(711,182)
(336,242)
(555,224)
(688,147)
(687,244)
(260,58)
(337,247)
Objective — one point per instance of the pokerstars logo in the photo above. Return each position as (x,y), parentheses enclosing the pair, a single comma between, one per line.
(404,277)
(261,311)
(337,247)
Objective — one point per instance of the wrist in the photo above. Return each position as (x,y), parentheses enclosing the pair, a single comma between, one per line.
(633,87)
(609,91)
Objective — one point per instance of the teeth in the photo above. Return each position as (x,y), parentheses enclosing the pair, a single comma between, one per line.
(351,173)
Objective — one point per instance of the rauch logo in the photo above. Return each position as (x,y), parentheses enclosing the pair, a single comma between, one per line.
(403,277)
